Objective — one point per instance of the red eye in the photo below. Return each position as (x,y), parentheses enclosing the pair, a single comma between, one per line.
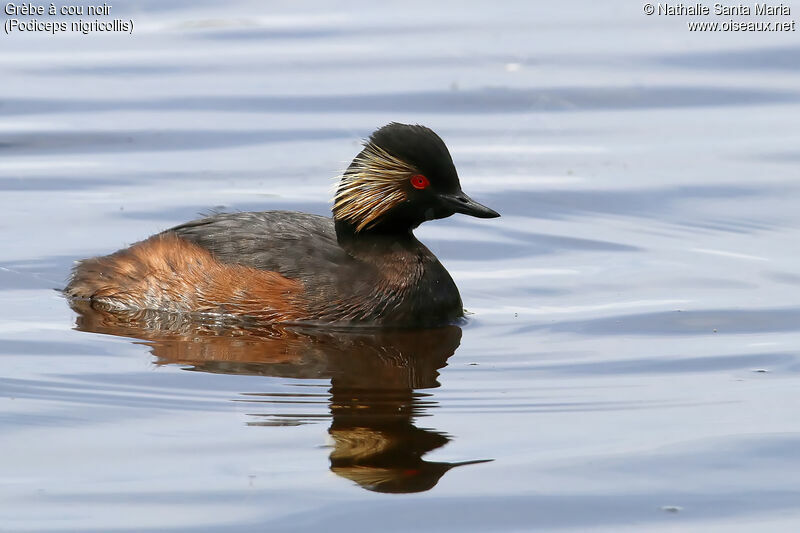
(418,181)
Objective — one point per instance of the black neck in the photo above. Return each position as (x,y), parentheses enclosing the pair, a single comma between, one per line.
(378,236)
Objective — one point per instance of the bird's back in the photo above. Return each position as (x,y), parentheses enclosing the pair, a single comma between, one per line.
(296,245)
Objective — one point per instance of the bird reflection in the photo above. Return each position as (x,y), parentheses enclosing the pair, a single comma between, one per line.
(374,374)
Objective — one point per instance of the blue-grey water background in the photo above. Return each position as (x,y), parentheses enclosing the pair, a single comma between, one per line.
(632,360)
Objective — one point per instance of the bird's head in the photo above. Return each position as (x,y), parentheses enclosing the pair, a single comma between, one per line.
(403,177)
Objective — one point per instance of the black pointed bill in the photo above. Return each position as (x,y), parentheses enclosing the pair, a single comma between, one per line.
(461,203)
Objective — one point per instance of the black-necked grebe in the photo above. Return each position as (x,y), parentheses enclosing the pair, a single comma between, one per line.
(362,266)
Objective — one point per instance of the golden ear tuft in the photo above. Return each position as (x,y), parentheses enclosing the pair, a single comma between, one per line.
(371,187)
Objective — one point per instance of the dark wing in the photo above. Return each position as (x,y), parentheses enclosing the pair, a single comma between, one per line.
(297,245)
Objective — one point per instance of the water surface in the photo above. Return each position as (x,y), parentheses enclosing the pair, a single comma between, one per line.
(631,358)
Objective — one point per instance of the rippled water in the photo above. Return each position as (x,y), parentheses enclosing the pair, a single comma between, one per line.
(631,361)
